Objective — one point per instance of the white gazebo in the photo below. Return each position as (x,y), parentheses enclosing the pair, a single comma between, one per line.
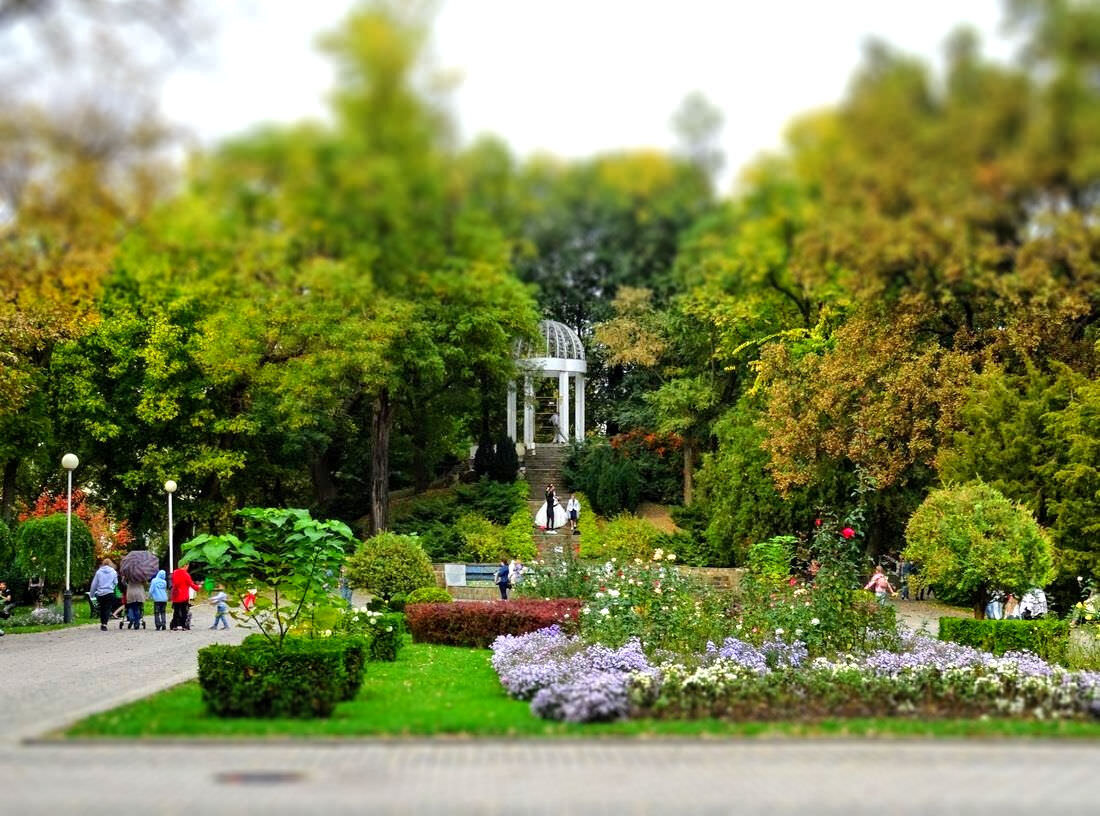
(559,354)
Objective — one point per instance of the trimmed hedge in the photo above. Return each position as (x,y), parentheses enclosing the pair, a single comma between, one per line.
(429,595)
(355,651)
(306,678)
(479,624)
(386,637)
(1047,637)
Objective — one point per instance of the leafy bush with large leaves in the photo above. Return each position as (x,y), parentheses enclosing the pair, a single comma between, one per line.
(971,541)
(291,558)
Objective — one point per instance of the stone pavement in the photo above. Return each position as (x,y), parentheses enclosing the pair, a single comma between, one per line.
(52,678)
(527,777)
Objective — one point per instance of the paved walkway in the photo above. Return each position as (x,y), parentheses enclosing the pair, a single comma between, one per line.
(52,678)
(523,777)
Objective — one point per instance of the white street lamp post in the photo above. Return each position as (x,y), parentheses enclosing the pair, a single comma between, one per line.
(170,488)
(69,462)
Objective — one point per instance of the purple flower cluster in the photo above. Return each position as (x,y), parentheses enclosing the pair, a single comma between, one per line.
(598,696)
(566,679)
(739,652)
(772,654)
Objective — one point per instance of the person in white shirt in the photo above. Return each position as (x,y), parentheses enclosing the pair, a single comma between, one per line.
(555,423)
(573,510)
(515,572)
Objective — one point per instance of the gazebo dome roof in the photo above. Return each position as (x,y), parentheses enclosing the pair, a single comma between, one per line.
(557,341)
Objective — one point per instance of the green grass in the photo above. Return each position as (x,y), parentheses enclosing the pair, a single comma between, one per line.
(443,690)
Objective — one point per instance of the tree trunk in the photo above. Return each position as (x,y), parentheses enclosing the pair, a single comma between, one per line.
(7,502)
(981,599)
(320,470)
(381,425)
(689,471)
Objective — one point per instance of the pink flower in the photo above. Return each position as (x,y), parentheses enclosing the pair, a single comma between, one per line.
(847,532)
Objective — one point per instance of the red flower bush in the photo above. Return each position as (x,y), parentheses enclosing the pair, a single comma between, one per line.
(847,532)
(478,624)
(112,538)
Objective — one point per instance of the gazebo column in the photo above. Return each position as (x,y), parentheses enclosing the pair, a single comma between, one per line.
(563,397)
(510,421)
(528,411)
(578,420)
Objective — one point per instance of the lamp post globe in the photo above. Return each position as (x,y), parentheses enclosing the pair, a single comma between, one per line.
(170,488)
(70,463)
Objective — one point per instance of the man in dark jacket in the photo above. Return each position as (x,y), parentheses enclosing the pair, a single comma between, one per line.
(501,579)
(551,500)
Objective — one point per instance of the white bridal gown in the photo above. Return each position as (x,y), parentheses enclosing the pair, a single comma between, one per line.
(559,516)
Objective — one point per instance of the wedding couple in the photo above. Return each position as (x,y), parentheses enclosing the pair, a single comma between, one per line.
(551,514)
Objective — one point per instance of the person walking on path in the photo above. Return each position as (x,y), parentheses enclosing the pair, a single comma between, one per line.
(573,510)
(158,591)
(551,500)
(555,425)
(182,586)
(5,603)
(501,579)
(221,607)
(135,605)
(880,584)
(103,590)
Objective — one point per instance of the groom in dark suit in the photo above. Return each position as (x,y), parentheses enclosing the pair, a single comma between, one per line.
(551,500)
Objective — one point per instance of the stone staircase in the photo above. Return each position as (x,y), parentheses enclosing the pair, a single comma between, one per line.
(543,466)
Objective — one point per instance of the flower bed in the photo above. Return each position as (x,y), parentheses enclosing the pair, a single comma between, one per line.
(568,680)
(478,624)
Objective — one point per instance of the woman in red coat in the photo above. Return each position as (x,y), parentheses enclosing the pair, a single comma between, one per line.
(181,597)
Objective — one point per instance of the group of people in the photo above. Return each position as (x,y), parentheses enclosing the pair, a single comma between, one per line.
(551,514)
(107,590)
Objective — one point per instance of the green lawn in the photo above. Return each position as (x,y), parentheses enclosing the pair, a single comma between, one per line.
(442,690)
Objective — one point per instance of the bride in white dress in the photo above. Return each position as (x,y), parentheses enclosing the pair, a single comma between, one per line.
(559,515)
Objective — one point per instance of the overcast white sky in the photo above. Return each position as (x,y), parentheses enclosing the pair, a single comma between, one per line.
(577,77)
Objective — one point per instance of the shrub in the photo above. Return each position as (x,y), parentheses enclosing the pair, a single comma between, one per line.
(505,462)
(621,471)
(971,540)
(625,537)
(560,578)
(478,624)
(40,551)
(519,539)
(496,501)
(389,564)
(1047,638)
(286,554)
(483,456)
(397,603)
(307,679)
(770,561)
(383,631)
(7,553)
(432,594)
(481,539)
